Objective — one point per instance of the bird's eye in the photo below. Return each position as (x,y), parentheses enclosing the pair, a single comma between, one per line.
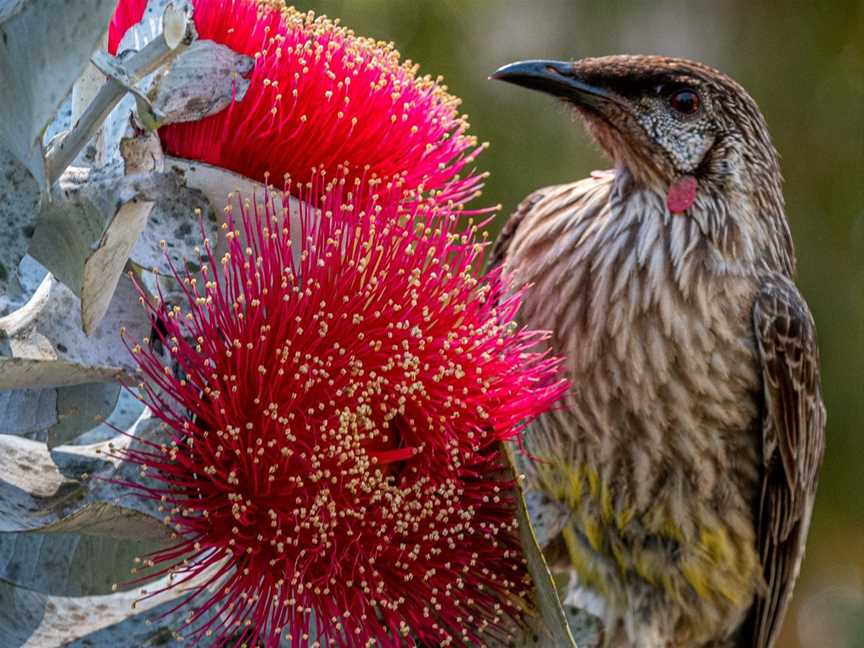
(685,101)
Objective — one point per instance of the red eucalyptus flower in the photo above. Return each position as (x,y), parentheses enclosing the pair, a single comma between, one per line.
(321,97)
(343,380)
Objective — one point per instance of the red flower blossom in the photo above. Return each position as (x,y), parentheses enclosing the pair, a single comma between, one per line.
(342,381)
(321,98)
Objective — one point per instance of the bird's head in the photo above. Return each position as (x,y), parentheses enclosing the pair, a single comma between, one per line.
(675,125)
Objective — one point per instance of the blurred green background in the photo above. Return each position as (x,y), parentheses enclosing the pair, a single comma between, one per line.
(804,64)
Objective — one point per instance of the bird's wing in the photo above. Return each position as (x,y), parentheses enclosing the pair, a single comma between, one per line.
(502,243)
(793,440)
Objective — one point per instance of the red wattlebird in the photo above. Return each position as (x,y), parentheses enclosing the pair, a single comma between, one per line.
(686,453)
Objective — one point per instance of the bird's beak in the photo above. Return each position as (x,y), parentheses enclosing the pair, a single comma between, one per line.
(558,78)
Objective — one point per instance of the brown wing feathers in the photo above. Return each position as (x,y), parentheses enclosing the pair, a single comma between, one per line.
(793,444)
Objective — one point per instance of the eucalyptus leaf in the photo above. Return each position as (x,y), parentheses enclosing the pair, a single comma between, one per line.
(219,185)
(127,411)
(23,285)
(118,124)
(61,122)
(84,93)
(104,520)
(173,231)
(45,46)
(70,225)
(201,81)
(37,620)
(42,344)
(149,27)
(108,476)
(37,497)
(103,266)
(81,408)
(222,188)
(98,219)
(24,412)
(63,536)
(70,564)
(79,218)
(123,77)
(32,490)
(549,629)
(9,8)
(141,618)
(61,415)
(114,70)
(19,206)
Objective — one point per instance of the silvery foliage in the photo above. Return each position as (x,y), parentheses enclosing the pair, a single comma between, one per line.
(92,216)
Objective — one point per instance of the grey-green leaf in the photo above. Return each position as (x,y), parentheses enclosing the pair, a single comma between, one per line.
(550,629)
(70,564)
(44,47)
(201,81)
(97,220)
(42,344)
(141,618)
(128,410)
(85,222)
(219,185)
(26,412)
(37,620)
(61,415)
(33,493)
(109,475)
(9,8)
(64,536)
(176,220)
(103,266)
(106,520)
(36,497)
(223,188)
(18,210)
(23,285)
(81,408)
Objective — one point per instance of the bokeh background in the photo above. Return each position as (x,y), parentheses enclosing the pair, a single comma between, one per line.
(804,64)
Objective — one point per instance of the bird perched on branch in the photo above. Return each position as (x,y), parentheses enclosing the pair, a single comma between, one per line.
(686,453)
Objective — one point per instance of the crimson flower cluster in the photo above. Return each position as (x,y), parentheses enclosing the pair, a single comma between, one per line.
(343,381)
(334,388)
(321,97)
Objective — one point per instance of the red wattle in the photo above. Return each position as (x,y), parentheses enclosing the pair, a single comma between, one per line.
(682,194)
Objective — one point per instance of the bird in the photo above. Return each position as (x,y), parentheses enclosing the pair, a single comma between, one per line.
(684,458)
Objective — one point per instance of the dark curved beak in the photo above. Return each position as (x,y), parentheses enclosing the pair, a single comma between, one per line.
(558,78)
